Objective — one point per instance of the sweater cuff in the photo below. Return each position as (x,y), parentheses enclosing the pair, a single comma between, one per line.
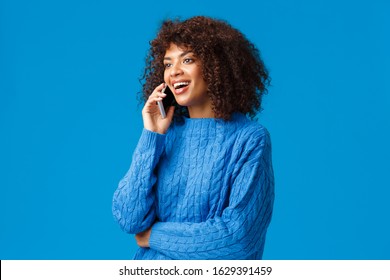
(156,236)
(150,140)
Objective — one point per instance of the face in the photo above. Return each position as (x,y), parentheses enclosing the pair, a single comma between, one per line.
(183,75)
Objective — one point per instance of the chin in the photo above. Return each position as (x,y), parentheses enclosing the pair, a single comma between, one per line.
(181,101)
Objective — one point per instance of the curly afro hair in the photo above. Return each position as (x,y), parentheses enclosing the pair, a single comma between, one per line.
(232,68)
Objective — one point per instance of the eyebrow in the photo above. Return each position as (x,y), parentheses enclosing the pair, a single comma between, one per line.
(181,55)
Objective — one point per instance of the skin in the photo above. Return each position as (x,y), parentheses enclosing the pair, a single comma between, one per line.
(180,65)
(151,114)
(142,238)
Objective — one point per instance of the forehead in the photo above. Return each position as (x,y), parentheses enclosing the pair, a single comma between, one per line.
(176,51)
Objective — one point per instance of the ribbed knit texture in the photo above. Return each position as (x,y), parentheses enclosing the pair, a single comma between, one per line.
(206,188)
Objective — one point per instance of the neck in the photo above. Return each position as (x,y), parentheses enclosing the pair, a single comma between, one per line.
(197,112)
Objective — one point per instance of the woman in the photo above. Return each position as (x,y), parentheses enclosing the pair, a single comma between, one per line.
(200,185)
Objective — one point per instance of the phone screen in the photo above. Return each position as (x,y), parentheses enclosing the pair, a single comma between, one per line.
(169,99)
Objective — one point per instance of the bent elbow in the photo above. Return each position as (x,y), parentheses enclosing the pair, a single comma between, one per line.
(131,222)
(124,221)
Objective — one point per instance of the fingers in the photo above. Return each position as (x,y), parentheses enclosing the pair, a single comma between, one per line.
(154,99)
(151,114)
(142,238)
(157,94)
(158,91)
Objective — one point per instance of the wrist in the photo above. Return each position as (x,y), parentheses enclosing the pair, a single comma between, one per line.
(153,130)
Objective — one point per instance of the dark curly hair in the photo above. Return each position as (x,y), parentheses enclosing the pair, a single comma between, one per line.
(235,75)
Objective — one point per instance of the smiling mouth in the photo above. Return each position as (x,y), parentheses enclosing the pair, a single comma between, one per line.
(180,85)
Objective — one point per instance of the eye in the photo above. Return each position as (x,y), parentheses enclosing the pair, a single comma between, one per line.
(167,65)
(188,60)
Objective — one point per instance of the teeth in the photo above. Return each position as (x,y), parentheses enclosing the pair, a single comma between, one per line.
(176,85)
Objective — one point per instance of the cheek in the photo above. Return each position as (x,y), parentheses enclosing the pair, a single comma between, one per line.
(199,76)
(166,76)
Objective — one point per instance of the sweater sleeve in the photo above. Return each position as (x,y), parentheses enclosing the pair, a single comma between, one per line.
(134,200)
(240,230)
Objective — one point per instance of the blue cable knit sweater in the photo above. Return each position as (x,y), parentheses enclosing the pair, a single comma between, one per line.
(206,188)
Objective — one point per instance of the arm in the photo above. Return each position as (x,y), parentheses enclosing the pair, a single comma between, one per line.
(240,230)
(133,203)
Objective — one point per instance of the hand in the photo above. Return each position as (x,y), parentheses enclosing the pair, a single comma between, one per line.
(151,114)
(143,238)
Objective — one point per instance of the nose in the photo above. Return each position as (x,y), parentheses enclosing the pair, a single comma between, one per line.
(176,70)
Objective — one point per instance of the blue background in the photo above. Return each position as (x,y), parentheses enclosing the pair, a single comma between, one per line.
(70,120)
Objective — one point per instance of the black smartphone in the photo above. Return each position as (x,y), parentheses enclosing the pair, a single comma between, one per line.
(166,102)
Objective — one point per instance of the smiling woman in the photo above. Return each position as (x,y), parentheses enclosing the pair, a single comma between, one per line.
(201,184)
(183,75)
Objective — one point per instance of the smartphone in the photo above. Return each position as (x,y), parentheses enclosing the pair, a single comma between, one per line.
(166,102)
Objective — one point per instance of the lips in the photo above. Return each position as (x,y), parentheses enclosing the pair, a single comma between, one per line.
(180,86)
